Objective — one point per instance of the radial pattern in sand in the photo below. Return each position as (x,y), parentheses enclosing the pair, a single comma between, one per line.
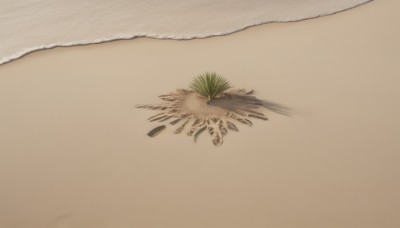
(220,115)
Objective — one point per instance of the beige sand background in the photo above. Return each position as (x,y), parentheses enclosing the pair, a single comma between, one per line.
(74,150)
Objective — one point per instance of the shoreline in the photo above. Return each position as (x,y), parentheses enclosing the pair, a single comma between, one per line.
(21,54)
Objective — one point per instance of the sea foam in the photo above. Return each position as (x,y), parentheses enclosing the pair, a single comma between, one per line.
(30,25)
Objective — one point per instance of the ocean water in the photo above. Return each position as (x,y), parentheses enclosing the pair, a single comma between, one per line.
(30,25)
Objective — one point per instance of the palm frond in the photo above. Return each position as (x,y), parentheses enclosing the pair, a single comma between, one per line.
(209,85)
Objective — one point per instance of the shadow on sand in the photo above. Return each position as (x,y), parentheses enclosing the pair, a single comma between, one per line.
(217,116)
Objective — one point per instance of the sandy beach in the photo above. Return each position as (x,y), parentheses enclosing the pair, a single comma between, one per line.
(74,150)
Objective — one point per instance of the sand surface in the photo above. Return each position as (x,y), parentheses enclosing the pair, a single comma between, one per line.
(74,150)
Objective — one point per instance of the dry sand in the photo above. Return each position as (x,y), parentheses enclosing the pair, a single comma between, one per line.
(74,150)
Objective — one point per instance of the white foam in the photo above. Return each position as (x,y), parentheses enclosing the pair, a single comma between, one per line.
(31,25)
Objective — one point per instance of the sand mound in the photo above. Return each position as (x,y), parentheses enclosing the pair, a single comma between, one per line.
(218,116)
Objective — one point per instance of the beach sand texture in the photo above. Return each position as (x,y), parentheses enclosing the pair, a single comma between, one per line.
(74,150)
(195,114)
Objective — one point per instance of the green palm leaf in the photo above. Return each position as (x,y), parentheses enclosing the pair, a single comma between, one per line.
(209,85)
